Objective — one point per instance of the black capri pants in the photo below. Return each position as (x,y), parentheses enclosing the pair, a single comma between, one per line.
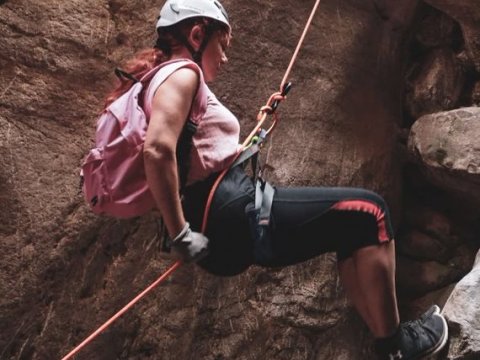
(305,222)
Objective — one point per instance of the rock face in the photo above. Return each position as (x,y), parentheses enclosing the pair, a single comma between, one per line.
(432,252)
(437,85)
(63,271)
(467,13)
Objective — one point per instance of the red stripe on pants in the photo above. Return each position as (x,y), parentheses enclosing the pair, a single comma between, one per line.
(368,207)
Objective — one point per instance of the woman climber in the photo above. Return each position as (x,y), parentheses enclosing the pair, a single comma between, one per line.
(302,223)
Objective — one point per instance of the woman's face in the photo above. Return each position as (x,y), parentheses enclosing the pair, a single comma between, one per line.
(214,55)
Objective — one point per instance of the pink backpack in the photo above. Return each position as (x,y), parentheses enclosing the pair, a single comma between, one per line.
(114,181)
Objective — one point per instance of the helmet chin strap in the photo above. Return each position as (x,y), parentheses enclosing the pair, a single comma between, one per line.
(196,54)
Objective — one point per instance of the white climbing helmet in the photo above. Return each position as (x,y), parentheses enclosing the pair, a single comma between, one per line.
(174,11)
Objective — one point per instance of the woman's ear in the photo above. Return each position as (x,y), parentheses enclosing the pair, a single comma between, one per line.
(196,36)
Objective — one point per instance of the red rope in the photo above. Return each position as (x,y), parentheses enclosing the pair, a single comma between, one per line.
(262,115)
(261,118)
(122,311)
(299,45)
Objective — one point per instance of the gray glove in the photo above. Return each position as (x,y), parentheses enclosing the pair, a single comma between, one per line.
(190,246)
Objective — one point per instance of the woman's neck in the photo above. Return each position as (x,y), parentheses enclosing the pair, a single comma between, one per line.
(182,53)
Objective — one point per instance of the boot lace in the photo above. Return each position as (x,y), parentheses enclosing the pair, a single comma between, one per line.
(412,328)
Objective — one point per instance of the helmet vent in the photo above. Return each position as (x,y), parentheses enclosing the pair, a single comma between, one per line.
(175,11)
(220,7)
(175,8)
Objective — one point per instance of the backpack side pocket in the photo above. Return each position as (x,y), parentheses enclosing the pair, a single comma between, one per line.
(95,188)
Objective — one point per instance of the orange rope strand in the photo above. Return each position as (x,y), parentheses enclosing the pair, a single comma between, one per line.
(262,114)
(299,45)
(122,311)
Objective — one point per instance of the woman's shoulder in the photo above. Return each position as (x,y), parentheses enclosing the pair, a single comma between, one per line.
(178,77)
(180,74)
(182,67)
(184,76)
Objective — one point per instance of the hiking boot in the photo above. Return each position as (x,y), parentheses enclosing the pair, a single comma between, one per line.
(415,339)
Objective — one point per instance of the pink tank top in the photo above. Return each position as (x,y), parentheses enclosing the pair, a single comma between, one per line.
(216,141)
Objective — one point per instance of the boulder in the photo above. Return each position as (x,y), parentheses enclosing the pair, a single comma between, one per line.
(429,234)
(416,278)
(421,246)
(462,311)
(446,147)
(431,222)
(416,307)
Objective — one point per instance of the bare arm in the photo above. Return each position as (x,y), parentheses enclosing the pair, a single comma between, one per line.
(170,108)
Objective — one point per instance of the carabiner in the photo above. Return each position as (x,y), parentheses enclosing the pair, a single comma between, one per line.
(285,90)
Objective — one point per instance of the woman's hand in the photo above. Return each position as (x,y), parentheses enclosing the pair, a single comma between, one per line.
(189,245)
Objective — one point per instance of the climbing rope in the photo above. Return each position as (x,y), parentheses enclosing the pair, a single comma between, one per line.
(123,311)
(268,109)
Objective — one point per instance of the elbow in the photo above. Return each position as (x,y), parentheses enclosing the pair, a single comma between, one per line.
(158,153)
